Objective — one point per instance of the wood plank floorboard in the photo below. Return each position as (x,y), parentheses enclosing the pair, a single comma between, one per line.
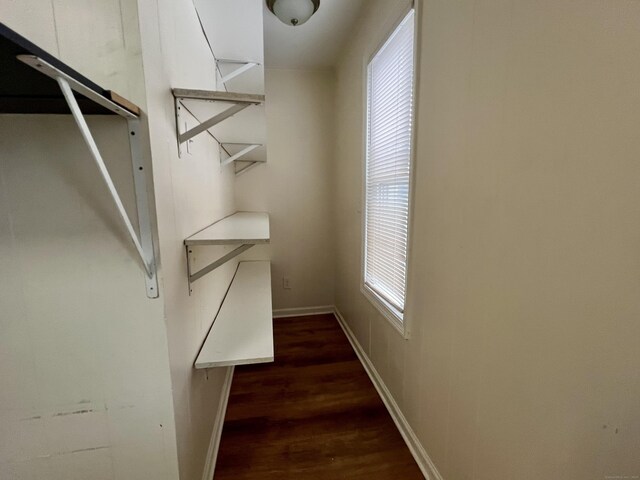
(312,414)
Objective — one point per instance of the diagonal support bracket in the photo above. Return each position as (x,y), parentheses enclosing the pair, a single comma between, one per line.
(144,244)
(238,101)
(244,67)
(212,266)
(207,124)
(249,147)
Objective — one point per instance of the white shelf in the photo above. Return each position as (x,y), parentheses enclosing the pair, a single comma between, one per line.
(242,333)
(217,96)
(240,228)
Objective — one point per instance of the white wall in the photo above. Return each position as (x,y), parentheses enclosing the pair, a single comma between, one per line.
(523,288)
(86,389)
(191,193)
(295,186)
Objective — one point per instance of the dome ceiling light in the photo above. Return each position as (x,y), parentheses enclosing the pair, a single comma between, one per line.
(293,12)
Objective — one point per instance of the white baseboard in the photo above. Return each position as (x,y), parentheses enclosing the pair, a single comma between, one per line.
(300,312)
(421,457)
(216,434)
(427,467)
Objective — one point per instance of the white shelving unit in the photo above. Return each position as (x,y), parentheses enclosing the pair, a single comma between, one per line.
(242,332)
(238,154)
(232,69)
(242,228)
(234,116)
(237,43)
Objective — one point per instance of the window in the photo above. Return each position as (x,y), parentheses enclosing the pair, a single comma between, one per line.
(388,170)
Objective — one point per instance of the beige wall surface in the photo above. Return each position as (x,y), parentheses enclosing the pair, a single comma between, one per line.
(98,38)
(192,192)
(523,289)
(85,388)
(295,186)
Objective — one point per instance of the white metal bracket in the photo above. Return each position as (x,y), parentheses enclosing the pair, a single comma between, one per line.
(207,124)
(244,66)
(238,101)
(144,244)
(212,266)
(224,152)
(242,165)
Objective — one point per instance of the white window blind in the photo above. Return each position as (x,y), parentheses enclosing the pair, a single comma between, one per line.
(388,165)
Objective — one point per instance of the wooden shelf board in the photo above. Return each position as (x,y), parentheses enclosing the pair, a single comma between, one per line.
(239,228)
(216,96)
(242,332)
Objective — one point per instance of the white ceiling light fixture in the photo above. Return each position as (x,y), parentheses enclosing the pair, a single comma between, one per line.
(293,12)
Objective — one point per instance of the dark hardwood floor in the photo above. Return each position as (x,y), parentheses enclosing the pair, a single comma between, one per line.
(313,414)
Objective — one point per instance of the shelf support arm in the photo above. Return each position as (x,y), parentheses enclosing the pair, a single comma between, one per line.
(248,148)
(147,260)
(207,124)
(238,71)
(212,266)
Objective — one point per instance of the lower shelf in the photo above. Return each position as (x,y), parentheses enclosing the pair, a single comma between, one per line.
(242,333)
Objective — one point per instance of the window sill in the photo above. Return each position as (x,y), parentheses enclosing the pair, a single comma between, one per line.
(395,319)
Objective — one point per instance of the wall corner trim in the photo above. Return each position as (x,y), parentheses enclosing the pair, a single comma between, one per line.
(421,457)
(216,434)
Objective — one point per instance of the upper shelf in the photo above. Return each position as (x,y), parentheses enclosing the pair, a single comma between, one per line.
(216,96)
(24,88)
(246,228)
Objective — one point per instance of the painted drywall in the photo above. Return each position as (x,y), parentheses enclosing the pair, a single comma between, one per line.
(85,377)
(109,53)
(295,186)
(234,31)
(192,191)
(523,287)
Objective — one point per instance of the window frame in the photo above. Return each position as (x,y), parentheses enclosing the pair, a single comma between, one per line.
(399,320)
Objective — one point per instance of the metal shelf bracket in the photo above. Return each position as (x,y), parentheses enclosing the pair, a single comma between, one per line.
(207,124)
(226,157)
(244,66)
(213,265)
(239,156)
(238,101)
(143,243)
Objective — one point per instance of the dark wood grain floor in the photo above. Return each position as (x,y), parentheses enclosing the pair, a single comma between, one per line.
(313,414)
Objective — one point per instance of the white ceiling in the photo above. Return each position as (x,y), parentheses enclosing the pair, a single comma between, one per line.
(317,43)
